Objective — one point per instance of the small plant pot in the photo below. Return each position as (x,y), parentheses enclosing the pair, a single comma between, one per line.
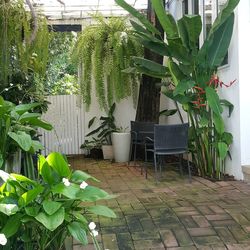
(107,151)
(121,146)
(96,153)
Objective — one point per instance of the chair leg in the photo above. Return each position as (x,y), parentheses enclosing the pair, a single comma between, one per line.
(134,153)
(155,163)
(130,152)
(180,164)
(189,170)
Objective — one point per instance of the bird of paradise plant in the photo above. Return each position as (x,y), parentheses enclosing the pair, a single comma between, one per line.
(193,75)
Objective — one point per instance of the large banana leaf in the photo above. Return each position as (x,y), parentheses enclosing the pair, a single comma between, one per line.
(150,68)
(223,15)
(190,28)
(167,21)
(213,101)
(176,73)
(221,38)
(139,16)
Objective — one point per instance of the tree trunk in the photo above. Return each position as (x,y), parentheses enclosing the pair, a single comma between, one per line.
(149,93)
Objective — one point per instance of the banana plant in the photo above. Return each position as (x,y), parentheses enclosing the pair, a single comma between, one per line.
(18,126)
(193,74)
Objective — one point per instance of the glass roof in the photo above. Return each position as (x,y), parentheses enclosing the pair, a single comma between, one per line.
(82,9)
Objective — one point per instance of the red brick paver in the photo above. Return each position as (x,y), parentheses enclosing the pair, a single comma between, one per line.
(170,214)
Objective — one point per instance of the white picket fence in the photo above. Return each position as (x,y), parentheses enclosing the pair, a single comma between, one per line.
(66,114)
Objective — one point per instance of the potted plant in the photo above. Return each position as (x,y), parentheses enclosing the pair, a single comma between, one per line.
(121,144)
(41,214)
(103,133)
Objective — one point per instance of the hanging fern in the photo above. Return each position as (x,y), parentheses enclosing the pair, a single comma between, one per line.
(104,49)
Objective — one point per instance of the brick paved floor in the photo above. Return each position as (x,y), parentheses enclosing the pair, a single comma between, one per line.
(171,214)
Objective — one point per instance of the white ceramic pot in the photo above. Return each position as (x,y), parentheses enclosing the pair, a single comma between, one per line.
(121,146)
(107,151)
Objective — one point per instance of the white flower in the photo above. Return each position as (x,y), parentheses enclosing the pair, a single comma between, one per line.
(83,185)
(92,225)
(66,182)
(6,89)
(3,239)
(94,233)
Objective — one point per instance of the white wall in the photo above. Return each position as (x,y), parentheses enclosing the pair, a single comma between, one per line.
(244,79)
(229,73)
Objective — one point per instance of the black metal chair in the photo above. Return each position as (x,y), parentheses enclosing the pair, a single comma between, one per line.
(169,140)
(139,131)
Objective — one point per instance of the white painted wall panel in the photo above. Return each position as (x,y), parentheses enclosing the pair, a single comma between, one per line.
(66,114)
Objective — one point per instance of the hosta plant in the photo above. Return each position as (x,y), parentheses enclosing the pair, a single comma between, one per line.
(192,73)
(41,214)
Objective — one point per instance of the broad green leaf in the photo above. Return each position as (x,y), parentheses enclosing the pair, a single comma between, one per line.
(45,170)
(32,211)
(91,121)
(77,230)
(40,123)
(22,139)
(175,72)
(50,207)
(219,124)
(12,225)
(160,48)
(80,217)
(58,163)
(222,149)
(139,28)
(70,191)
(180,52)
(190,28)
(22,178)
(227,138)
(154,67)
(150,27)
(166,19)
(79,176)
(221,38)
(8,209)
(183,86)
(91,193)
(223,15)
(22,108)
(30,196)
(53,221)
(182,99)
(36,146)
(101,210)
(213,100)
(229,105)
(27,116)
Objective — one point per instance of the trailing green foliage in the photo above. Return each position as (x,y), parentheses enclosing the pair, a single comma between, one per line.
(22,62)
(103,50)
(193,73)
(41,214)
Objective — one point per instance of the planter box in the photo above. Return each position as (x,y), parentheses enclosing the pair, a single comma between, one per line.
(121,146)
(107,151)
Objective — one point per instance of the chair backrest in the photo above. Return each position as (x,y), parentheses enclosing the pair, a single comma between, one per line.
(171,136)
(140,127)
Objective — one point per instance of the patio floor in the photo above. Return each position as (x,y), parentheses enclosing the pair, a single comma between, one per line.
(171,214)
